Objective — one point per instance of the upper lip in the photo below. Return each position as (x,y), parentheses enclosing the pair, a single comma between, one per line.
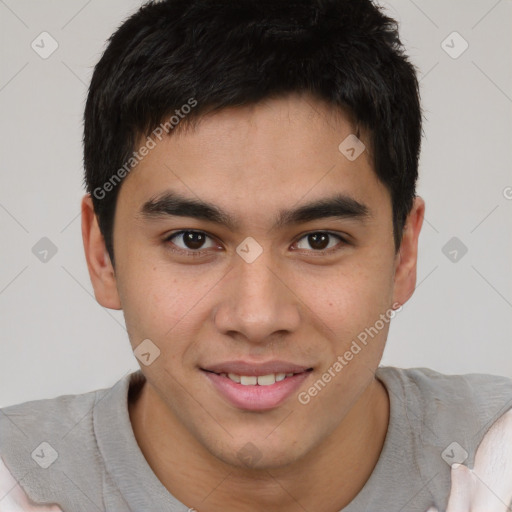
(256,369)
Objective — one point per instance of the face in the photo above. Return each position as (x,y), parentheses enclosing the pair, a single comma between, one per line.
(251,246)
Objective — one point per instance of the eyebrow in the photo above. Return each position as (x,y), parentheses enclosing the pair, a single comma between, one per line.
(172,204)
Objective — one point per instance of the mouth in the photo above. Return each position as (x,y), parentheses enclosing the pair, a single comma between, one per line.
(259,380)
(256,387)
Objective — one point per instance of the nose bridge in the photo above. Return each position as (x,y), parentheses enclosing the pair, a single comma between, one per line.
(257,283)
(258,303)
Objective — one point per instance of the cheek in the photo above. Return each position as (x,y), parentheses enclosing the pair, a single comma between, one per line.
(349,299)
(163,305)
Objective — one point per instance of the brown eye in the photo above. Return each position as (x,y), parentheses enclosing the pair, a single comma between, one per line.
(193,240)
(319,241)
(190,240)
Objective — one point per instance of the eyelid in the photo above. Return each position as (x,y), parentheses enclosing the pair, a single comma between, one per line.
(180,250)
(343,240)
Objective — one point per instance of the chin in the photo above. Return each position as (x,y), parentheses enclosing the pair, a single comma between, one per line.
(259,454)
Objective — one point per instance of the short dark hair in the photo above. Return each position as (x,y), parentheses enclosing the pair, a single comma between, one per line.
(228,53)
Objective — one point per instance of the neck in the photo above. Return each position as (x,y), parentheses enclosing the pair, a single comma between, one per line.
(326,479)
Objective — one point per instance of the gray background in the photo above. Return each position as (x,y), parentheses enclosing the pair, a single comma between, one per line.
(56,339)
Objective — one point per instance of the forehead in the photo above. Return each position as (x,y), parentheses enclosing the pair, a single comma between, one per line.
(258,158)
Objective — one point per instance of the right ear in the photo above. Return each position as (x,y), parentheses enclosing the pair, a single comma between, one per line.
(100,267)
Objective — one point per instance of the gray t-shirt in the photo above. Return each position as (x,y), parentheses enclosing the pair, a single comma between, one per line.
(79,451)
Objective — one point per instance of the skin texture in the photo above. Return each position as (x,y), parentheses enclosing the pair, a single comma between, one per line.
(293,303)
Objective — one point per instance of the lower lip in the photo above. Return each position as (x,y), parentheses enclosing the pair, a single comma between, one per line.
(256,398)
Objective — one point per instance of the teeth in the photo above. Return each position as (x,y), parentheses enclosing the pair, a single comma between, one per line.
(267,380)
(262,380)
(248,380)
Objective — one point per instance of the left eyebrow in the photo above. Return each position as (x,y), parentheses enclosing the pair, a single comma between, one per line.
(172,204)
(339,206)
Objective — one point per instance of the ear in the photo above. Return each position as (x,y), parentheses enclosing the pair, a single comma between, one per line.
(100,267)
(407,257)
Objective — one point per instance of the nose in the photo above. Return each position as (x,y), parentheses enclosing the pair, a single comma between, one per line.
(258,304)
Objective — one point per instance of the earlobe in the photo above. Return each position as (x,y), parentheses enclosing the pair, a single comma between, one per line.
(407,257)
(100,267)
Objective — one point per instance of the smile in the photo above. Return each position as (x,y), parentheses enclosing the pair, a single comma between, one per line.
(256,392)
(261,380)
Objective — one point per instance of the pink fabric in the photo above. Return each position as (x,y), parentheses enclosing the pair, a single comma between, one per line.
(488,486)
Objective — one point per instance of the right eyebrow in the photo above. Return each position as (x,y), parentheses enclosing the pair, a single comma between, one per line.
(174,204)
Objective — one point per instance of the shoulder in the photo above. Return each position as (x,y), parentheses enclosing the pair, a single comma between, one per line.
(45,444)
(445,418)
(54,413)
(52,422)
(475,398)
(488,483)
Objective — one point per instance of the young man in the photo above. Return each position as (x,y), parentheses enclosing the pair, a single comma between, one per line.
(251,171)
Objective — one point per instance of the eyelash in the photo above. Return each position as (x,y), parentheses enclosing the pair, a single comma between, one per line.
(201,252)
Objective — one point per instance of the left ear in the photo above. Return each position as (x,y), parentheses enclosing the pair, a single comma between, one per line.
(101,270)
(407,257)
